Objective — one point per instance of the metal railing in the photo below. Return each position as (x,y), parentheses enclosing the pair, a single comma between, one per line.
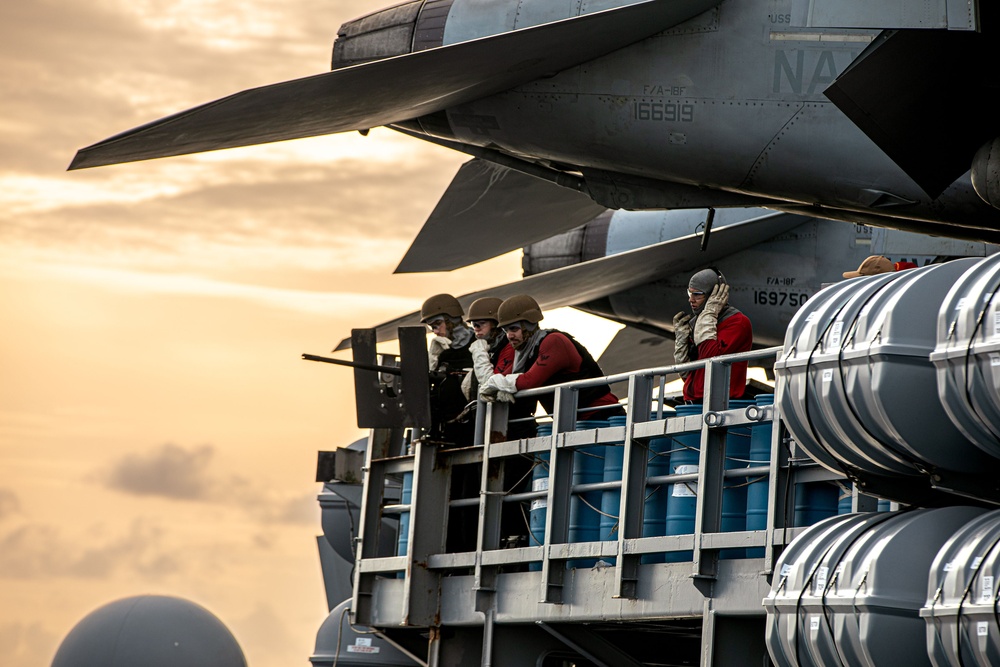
(435,471)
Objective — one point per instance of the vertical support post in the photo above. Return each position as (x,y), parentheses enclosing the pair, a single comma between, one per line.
(434,647)
(560,487)
(495,428)
(633,494)
(429,512)
(380,441)
(862,502)
(487,656)
(778,507)
(491,488)
(707,633)
(711,465)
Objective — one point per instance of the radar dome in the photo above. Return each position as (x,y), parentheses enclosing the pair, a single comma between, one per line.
(150,630)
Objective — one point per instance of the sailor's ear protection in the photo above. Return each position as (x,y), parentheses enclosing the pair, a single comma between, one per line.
(722,278)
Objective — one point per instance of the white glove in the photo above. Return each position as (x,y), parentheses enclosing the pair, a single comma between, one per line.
(467,386)
(437,345)
(481,363)
(706,327)
(499,397)
(497,383)
(682,332)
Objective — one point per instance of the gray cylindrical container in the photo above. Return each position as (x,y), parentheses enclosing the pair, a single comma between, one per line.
(856,378)
(794,386)
(342,644)
(797,633)
(874,597)
(962,628)
(896,390)
(967,355)
(840,418)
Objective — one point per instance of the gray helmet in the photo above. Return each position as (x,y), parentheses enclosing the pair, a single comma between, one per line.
(484,308)
(706,280)
(517,308)
(440,304)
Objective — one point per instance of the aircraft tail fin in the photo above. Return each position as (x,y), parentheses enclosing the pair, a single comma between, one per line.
(488,210)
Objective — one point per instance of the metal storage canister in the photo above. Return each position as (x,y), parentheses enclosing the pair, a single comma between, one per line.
(858,366)
(793,387)
(874,597)
(896,388)
(797,632)
(967,356)
(962,596)
(344,645)
(840,418)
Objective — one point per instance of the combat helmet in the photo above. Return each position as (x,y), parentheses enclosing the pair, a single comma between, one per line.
(485,308)
(440,304)
(517,308)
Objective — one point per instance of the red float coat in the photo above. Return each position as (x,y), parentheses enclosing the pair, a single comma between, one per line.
(559,361)
(734,334)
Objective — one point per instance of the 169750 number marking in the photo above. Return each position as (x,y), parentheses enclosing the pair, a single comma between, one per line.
(663,111)
(779,298)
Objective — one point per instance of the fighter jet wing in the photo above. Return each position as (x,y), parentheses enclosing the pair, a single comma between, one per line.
(499,210)
(598,278)
(392,90)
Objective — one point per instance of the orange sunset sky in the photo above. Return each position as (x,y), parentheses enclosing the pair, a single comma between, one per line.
(158,431)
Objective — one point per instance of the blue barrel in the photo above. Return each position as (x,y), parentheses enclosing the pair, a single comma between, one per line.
(681,498)
(654,509)
(588,468)
(843,499)
(844,503)
(539,506)
(734,494)
(760,455)
(403,536)
(815,501)
(614,459)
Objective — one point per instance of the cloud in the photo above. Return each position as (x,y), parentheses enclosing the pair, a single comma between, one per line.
(168,471)
(176,473)
(23,644)
(34,551)
(265,635)
(302,509)
(10,504)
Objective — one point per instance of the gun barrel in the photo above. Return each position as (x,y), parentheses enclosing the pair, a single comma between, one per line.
(353,364)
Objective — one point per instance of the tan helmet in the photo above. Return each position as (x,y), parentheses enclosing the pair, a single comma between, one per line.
(440,304)
(519,307)
(484,308)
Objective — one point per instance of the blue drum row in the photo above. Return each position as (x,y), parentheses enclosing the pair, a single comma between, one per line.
(668,509)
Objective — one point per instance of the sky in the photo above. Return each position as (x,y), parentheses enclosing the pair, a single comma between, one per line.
(158,429)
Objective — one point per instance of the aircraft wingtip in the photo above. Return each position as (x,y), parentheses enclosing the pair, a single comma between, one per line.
(342,345)
(79,161)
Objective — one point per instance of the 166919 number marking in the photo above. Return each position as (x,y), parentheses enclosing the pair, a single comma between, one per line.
(779,298)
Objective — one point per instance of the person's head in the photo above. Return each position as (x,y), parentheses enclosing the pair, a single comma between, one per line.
(482,316)
(519,316)
(700,287)
(872,266)
(441,313)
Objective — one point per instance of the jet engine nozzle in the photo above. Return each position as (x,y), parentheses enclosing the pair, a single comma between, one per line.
(986,172)
(393,31)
